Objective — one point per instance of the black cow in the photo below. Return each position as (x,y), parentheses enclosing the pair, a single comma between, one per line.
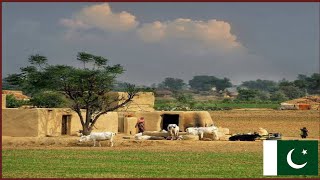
(244,137)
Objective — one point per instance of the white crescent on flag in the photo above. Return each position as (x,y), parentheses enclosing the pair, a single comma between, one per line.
(292,164)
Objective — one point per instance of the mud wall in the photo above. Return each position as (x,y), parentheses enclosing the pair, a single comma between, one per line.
(20,122)
(143,101)
(48,122)
(152,120)
(129,125)
(4,102)
(106,122)
(195,119)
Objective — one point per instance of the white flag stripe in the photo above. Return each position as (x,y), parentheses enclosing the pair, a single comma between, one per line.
(270,157)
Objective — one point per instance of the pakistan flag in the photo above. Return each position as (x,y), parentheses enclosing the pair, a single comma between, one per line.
(291,157)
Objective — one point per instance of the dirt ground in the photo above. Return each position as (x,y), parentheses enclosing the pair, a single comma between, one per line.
(129,144)
(287,122)
(238,121)
(120,144)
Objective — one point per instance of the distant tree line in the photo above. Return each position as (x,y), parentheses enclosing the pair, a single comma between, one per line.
(280,91)
(253,90)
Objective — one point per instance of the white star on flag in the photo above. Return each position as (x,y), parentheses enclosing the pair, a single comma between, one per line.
(304,152)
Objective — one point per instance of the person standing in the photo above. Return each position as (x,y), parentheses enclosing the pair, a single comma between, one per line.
(140,125)
(304,132)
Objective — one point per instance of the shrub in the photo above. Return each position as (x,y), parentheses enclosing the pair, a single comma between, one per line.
(226,100)
(12,102)
(48,100)
(278,96)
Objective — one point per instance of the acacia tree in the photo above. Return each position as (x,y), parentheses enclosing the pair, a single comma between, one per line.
(206,83)
(173,84)
(87,88)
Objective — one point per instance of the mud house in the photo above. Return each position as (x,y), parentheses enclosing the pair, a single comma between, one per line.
(36,122)
(159,120)
(49,122)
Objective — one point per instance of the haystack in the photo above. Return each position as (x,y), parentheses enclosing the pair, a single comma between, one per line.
(314,101)
(263,132)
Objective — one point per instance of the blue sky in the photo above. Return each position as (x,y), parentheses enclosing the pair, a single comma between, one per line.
(241,41)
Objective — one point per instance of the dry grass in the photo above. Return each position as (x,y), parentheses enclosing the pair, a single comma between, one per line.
(286,122)
(120,144)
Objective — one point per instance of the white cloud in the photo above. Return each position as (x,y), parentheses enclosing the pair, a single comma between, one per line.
(185,35)
(211,34)
(101,17)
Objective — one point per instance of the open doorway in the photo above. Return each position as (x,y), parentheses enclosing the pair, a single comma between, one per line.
(169,119)
(66,125)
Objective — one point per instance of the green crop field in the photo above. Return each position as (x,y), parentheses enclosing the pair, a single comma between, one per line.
(59,163)
(78,163)
(217,105)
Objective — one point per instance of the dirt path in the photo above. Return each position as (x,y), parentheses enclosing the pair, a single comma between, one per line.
(67,142)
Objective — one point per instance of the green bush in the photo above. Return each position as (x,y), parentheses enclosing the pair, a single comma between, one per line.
(247,94)
(48,100)
(278,96)
(227,100)
(12,102)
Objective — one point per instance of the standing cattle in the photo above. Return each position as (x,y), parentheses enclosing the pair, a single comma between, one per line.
(173,131)
(201,130)
(193,131)
(98,136)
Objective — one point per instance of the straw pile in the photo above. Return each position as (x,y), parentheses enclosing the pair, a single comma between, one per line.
(314,101)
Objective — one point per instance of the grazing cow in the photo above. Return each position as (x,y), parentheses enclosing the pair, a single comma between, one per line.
(173,131)
(98,136)
(201,130)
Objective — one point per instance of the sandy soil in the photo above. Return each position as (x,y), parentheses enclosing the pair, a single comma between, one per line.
(286,122)
(67,142)
(129,144)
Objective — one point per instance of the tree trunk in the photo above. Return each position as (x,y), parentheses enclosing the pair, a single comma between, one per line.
(86,130)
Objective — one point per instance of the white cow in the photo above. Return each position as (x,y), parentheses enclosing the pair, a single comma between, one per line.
(139,136)
(98,136)
(201,130)
(173,130)
(209,129)
(195,131)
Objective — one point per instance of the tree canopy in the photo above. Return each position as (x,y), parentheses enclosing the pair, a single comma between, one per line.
(263,85)
(86,88)
(206,83)
(173,84)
